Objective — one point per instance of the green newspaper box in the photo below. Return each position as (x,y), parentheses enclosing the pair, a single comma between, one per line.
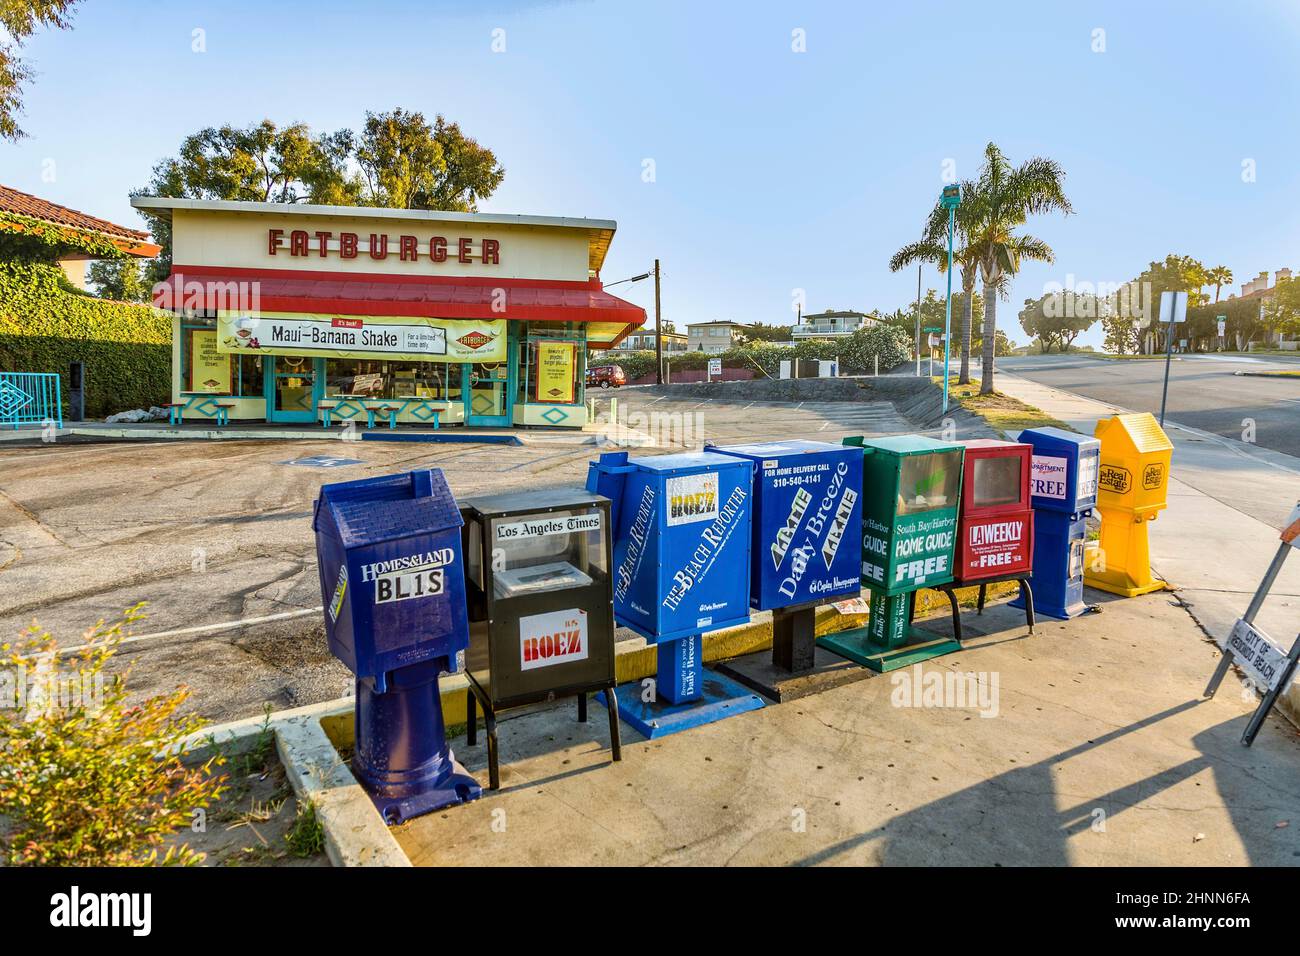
(911,489)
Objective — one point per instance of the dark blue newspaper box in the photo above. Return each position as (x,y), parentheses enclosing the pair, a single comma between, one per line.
(393,585)
(681,568)
(805,550)
(1063,491)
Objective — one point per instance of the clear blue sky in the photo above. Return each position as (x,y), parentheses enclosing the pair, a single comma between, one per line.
(775,170)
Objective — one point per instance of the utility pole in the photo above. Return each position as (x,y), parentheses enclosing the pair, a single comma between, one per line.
(659,334)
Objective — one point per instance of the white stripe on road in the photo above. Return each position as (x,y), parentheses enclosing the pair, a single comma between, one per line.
(206,628)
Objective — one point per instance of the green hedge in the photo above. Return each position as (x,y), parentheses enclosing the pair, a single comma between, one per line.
(44,327)
(856,354)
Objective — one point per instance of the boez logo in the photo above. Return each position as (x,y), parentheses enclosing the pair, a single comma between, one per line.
(557,637)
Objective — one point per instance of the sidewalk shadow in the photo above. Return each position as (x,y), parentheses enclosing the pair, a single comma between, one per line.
(1016,818)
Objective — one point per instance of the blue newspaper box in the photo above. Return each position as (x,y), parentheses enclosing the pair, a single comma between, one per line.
(807,503)
(392,582)
(1063,492)
(681,553)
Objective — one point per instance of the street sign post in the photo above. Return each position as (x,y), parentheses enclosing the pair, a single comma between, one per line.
(1252,649)
(1173,309)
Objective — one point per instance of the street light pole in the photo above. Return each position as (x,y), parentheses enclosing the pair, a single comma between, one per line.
(659,337)
(951,200)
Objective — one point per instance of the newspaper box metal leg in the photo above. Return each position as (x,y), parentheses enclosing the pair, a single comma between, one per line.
(402,758)
(889,641)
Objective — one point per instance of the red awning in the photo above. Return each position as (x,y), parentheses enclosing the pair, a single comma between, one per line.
(443,297)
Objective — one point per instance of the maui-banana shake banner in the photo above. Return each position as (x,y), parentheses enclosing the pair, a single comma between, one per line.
(389,337)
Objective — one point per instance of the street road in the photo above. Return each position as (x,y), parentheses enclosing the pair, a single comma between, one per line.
(1204,392)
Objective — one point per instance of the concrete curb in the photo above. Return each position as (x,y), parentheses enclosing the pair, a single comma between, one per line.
(355,834)
(308,739)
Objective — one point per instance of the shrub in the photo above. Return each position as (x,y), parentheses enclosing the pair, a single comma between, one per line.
(44,327)
(85,777)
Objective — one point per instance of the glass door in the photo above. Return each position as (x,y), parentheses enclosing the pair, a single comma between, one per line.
(292,388)
(487,394)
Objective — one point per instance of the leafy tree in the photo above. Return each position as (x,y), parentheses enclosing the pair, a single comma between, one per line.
(258,163)
(1242,320)
(1282,310)
(933,248)
(1057,319)
(397,161)
(1218,277)
(1175,274)
(20,19)
(408,164)
(1003,198)
(1123,333)
(123,280)
(765,332)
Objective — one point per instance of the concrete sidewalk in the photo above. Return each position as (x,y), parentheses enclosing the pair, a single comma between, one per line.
(1227,503)
(1092,747)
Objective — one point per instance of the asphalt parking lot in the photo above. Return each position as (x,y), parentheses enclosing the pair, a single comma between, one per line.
(210,533)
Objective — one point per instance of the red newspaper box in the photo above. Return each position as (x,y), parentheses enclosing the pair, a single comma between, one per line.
(995,527)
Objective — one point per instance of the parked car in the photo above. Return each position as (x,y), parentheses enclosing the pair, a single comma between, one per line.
(606,376)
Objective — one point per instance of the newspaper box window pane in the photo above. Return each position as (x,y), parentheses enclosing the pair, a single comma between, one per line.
(539,553)
(997,481)
(928,482)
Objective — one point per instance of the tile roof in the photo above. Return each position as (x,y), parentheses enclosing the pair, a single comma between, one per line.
(24,204)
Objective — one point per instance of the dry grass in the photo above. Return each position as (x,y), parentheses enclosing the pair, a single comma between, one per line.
(1006,414)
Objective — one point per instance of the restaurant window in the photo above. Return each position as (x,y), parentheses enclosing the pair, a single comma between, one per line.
(552,359)
(250,382)
(206,369)
(203,367)
(373,379)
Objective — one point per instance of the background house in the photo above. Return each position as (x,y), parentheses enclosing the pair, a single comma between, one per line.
(830,325)
(22,213)
(713,336)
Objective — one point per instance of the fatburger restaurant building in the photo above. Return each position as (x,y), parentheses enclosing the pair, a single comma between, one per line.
(289,313)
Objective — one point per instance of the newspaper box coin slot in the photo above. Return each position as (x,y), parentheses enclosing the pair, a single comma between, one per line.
(1132,489)
(680,569)
(911,488)
(541,619)
(389,554)
(1063,492)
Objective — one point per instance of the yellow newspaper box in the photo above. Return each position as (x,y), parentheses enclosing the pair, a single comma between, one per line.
(1132,488)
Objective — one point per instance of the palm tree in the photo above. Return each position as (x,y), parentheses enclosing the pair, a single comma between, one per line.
(1004,197)
(933,248)
(1219,276)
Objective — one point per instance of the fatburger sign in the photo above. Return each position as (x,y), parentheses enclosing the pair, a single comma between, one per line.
(324,243)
